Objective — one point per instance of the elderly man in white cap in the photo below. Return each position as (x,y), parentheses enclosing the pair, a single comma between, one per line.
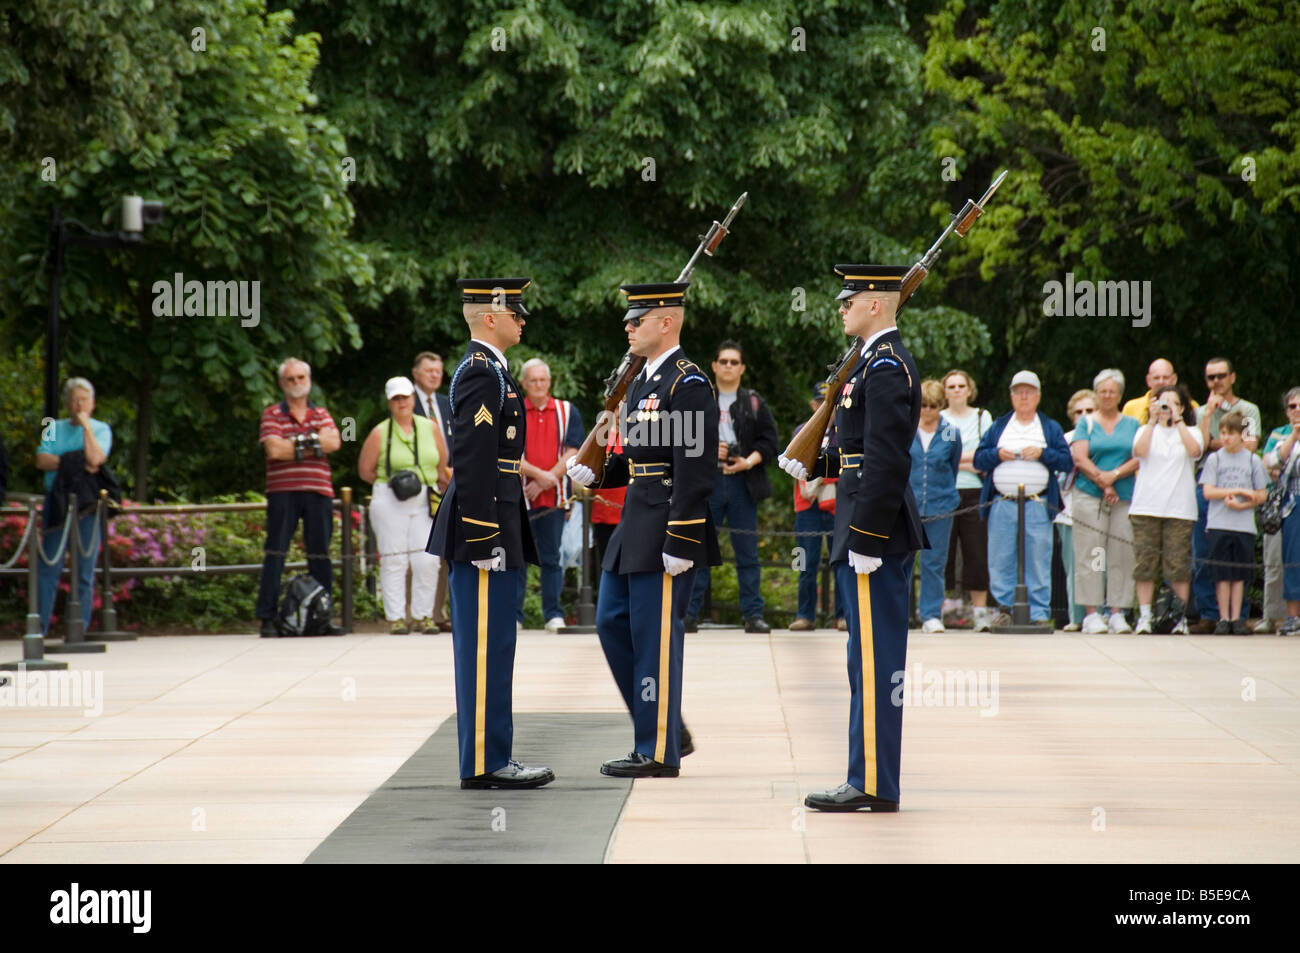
(1022,448)
(405,457)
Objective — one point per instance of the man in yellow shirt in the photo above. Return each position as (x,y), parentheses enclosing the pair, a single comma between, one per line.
(1159,374)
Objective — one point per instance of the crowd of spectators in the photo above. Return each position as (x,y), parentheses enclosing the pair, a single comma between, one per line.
(1137,495)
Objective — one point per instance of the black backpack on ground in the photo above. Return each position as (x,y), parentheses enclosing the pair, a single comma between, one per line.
(1167,611)
(305,608)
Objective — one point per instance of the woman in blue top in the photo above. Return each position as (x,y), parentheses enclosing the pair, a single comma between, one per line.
(1283,548)
(936,457)
(1102,448)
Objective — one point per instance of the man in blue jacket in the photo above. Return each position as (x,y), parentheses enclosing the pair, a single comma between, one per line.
(1022,448)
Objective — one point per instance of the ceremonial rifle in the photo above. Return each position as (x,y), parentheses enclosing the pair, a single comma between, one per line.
(592,452)
(806,445)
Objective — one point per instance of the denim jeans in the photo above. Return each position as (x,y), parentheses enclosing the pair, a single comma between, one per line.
(1003,526)
(814,521)
(934,561)
(47,577)
(548,528)
(283,510)
(1066,533)
(731,503)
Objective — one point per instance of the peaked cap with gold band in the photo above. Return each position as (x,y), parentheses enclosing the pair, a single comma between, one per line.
(507,292)
(664,294)
(858,278)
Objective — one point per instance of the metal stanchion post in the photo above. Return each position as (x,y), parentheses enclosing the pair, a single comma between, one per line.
(345,542)
(1020,623)
(33,644)
(108,630)
(586,603)
(75,638)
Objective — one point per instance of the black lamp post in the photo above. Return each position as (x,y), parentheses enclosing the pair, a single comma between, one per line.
(136,213)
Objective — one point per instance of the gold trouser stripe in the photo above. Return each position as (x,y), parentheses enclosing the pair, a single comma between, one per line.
(665,646)
(480,678)
(866,645)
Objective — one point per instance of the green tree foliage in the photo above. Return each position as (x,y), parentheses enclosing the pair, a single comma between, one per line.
(224,132)
(1149,140)
(589,143)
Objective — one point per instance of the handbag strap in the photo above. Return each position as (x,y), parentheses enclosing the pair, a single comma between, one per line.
(388,449)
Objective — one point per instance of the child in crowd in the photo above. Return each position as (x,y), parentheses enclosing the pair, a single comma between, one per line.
(1234,483)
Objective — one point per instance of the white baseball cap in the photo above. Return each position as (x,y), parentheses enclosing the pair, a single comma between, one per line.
(1026,377)
(398,387)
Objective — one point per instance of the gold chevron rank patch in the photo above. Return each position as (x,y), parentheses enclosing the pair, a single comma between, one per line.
(482,416)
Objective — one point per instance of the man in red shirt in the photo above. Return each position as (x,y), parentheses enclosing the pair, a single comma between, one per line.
(814,516)
(296,435)
(553,434)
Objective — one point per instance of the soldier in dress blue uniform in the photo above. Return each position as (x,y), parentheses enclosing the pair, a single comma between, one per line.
(666,533)
(877,531)
(481,529)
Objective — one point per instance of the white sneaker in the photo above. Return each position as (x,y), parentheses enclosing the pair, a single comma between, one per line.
(1144,625)
(1093,624)
(983,619)
(1072,627)
(1264,627)
(932,625)
(555,624)
(1180,628)
(1118,624)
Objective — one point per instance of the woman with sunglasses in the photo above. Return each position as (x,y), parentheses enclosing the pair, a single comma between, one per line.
(1163,510)
(1081,404)
(1103,455)
(1282,549)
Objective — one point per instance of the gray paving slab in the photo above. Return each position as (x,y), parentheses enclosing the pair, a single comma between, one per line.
(421,816)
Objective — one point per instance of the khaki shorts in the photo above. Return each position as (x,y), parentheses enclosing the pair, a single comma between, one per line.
(1159,539)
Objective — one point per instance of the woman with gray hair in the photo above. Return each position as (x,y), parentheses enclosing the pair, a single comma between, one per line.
(1102,448)
(78,433)
(1282,549)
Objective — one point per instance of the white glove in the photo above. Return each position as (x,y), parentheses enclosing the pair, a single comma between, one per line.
(675,564)
(496,562)
(863,565)
(792,467)
(580,474)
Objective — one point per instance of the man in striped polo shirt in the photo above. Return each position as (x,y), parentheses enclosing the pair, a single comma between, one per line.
(296,435)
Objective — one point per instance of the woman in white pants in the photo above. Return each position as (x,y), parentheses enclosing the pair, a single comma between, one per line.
(404,456)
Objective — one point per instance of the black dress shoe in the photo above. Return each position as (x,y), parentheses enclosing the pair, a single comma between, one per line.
(637,766)
(691,624)
(269,631)
(333,629)
(755,623)
(848,798)
(686,745)
(513,775)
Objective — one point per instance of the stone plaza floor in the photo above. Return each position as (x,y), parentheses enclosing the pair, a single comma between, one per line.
(1044,748)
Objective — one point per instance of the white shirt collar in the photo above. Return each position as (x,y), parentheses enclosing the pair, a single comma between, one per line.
(500,357)
(872,340)
(652,366)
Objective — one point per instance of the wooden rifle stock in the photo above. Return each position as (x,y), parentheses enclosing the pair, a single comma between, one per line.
(594,449)
(806,445)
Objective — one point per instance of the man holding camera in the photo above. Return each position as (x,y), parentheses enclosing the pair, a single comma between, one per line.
(746,441)
(296,435)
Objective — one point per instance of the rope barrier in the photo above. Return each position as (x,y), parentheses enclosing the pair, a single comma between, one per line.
(22,544)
